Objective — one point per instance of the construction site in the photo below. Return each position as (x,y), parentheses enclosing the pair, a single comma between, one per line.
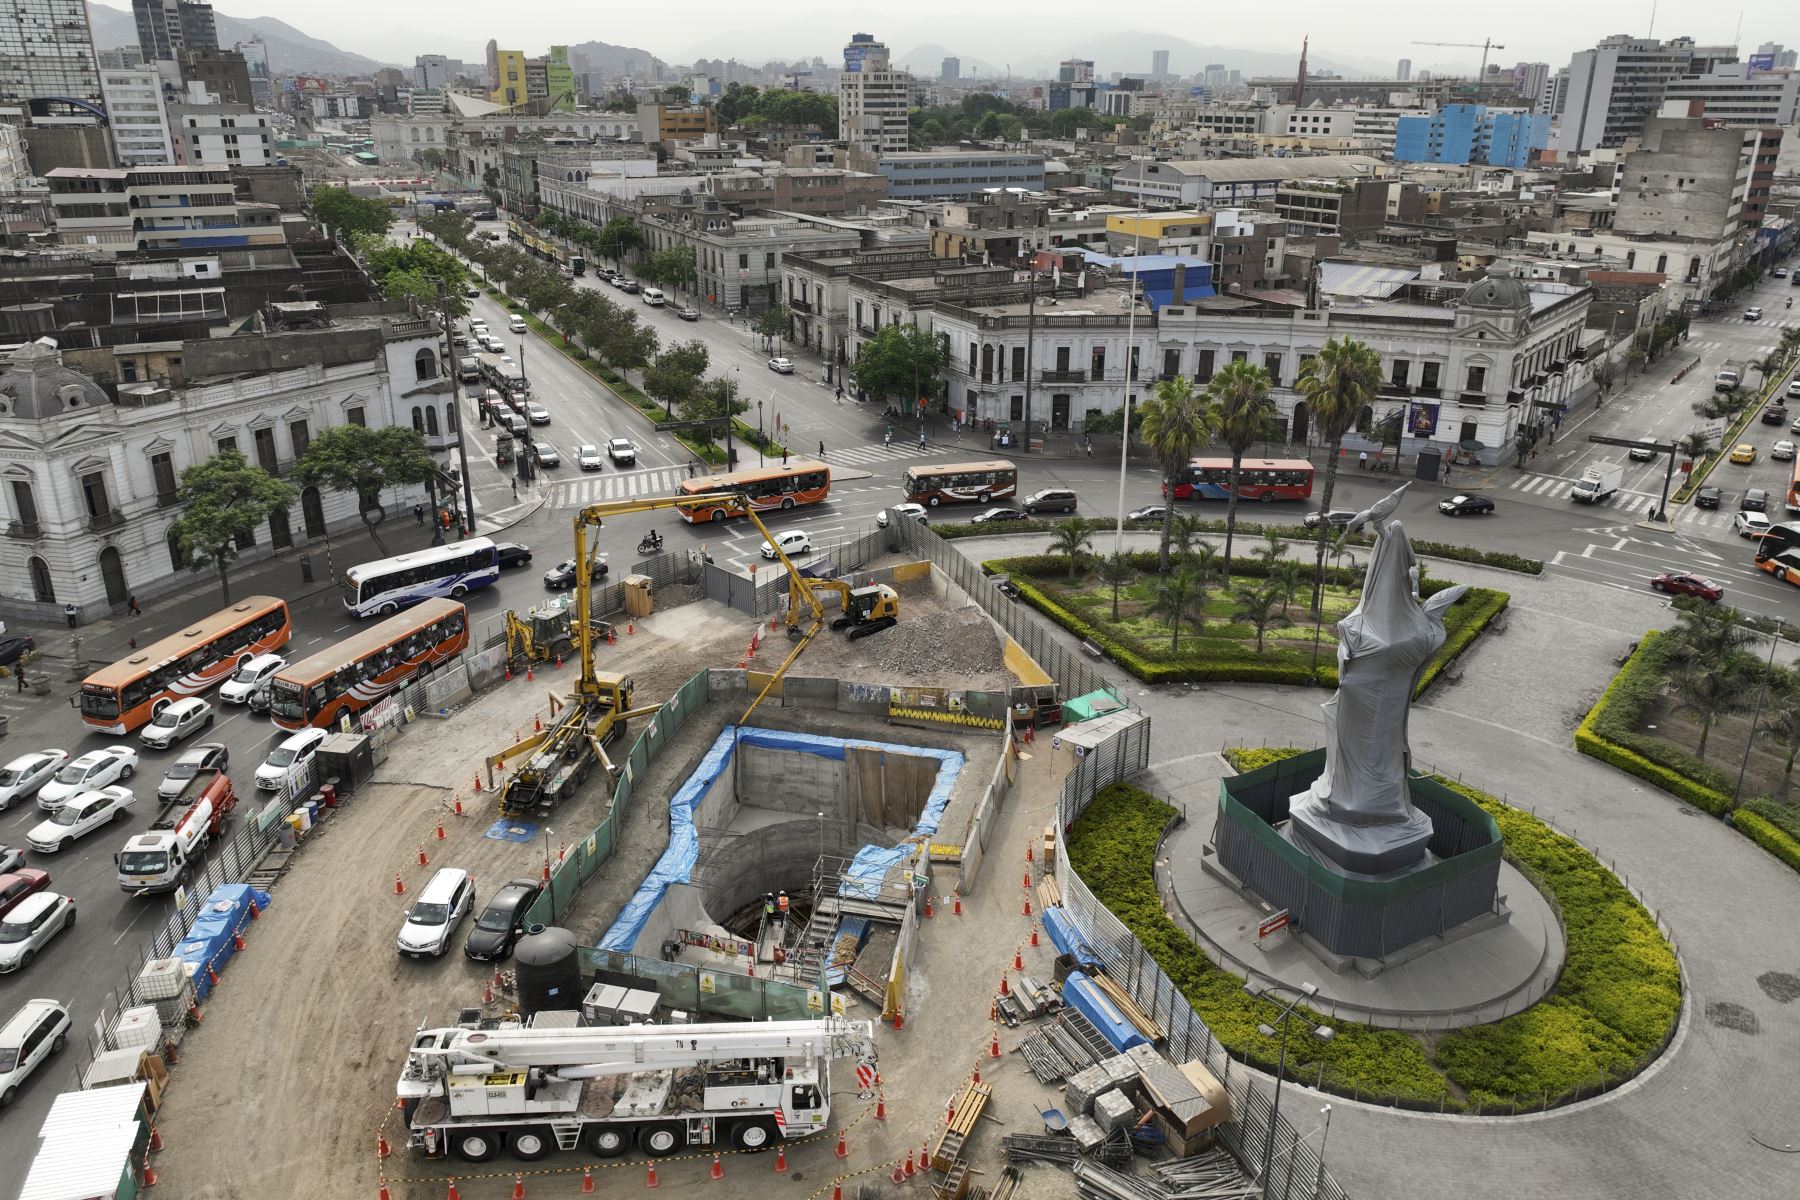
(795,926)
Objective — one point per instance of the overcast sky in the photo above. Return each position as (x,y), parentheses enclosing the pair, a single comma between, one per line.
(1364,34)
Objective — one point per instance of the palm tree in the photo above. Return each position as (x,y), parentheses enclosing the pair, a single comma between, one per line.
(1240,396)
(1072,540)
(1337,383)
(1261,606)
(1174,422)
(1694,445)
(1781,721)
(1287,574)
(1707,633)
(1272,549)
(1181,597)
(1115,570)
(1710,689)
(1203,556)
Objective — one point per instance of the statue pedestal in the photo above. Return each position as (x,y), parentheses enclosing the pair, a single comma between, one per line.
(1361,851)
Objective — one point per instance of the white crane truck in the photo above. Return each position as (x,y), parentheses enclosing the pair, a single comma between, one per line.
(470,1093)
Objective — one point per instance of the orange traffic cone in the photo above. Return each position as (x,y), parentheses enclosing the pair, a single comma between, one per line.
(650,1174)
(1028,854)
(780,1158)
(169,1054)
(880,1107)
(957,896)
(975,1075)
(925,1158)
(399,888)
(898,1176)
(537,724)
(156,1142)
(718,1168)
(1034,940)
(487,994)
(255,911)
(843,1151)
(928,905)
(150,1176)
(195,1013)
(423,861)
(837,1189)
(452,1193)
(458,806)
(994,1045)
(1005,988)
(382,1193)
(907,1168)
(1028,904)
(530,673)
(610,639)
(518,1187)
(237,940)
(382,1150)
(478,782)
(440,830)
(559,662)
(899,1020)
(1018,959)
(212,976)
(587,1181)
(1028,879)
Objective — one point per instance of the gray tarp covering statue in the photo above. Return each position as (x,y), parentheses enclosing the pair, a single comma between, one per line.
(1358,815)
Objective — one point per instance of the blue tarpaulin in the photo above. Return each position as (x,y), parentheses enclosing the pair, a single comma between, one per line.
(209,940)
(1065,937)
(1085,997)
(677,861)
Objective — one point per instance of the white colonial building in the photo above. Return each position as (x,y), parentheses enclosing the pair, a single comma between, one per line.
(88,489)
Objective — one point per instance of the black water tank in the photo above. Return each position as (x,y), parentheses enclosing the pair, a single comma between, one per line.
(549,970)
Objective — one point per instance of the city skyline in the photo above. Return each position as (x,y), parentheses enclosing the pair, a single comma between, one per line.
(802,30)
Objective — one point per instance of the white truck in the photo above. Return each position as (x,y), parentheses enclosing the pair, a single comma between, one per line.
(1730,376)
(1598,482)
(164,858)
(471,1093)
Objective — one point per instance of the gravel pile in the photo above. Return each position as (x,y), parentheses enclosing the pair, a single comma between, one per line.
(960,642)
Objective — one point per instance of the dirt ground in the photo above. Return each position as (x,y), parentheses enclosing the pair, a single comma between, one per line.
(1724,745)
(940,642)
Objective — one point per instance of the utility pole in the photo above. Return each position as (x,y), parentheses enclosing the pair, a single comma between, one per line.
(462,426)
(1030,343)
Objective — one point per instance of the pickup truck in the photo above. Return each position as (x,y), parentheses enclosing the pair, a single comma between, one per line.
(1598,482)
(164,858)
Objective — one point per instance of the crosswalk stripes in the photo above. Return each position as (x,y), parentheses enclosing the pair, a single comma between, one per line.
(662,481)
(1550,487)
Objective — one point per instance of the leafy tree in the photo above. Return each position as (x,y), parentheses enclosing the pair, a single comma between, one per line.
(1115,571)
(1072,539)
(676,374)
(1337,382)
(1174,422)
(620,236)
(1781,722)
(1706,633)
(1203,556)
(224,499)
(1710,690)
(449,226)
(1273,549)
(628,344)
(1289,574)
(674,265)
(621,103)
(1260,606)
(1694,445)
(345,213)
(1181,598)
(901,360)
(737,102)
(1242,411)
(355,458)
(773,322)
(714,400)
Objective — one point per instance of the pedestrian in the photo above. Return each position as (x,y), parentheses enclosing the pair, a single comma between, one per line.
(821,449)
(887,439)
(1087,444)
(418,514)
(840,393)
(1446,471)
(19,676)
(515,484)
(1362,460)
(690,468)
(73,614)
(131,605)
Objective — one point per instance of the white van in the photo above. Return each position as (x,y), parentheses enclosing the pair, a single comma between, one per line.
(654,298)
(516,324)
(449,896)
(35,1032)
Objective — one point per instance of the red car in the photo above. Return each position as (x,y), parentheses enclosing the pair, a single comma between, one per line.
(1683,584)
(20,884)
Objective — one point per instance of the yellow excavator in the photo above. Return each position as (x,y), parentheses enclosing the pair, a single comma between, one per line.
(545,634)
(599,709)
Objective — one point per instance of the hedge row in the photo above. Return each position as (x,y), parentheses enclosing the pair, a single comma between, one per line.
(1609,733)
(1232,661)
(1614,1005)
(1768,835)
(1113,845)
(1498,559)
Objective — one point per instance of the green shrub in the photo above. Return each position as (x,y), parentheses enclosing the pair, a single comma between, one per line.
(1784,817)
(1609,733)
(1612,1009)
(1768,835)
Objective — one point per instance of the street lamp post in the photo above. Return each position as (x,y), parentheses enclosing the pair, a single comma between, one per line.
(1756,714)
(1323,1032)
(760,435)
(462,437)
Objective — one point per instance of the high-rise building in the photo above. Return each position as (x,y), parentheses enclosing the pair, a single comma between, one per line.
(1471,133)
(1529,80)
(136,117)
(166,27)
(951,71)
(222,73)
(431,71)
(510,86)
(1739,94)
(1159,64)
(256,59)
(1780,59)
(493,65)
(1692,180)
(1403,71)
(47,51)
(1076,70)
(872,98)
(1615,86)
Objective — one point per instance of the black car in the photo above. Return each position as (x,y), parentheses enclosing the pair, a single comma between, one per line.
(1337,518)
(13,646)
(502,921)
(512,554)
(998,514)
(1755,500)
(1708,497)
(562,575)
(1462,506)
(1150,512)
(1775,414)
(629,286)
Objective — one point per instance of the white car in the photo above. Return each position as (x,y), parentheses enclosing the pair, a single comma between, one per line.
(11,859)
(1782,451)
(79,817)
(899,511)
(295,752)
(23,776)
(782,366)
(177,720)
(536,413)
(96,768)
(39,1029)
(793,542)
(1750,524)
(622,452)
(516,323)
(1753,314)
(1793,392)
(478,329)
(252,675)
(589,457)
(492,344)
(28,928)
(447,897)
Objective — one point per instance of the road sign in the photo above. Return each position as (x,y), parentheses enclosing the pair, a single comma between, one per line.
(1272,924)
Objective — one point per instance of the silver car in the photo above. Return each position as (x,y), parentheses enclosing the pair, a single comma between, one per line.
(27,929)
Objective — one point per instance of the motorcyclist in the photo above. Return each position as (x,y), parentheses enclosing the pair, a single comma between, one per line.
(653,540)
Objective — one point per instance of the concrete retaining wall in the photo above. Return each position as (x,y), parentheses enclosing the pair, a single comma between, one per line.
(789,780)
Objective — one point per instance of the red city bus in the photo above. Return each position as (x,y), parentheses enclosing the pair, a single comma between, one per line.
(360,670)
(126,695)
(1260,479)
(954,483)
(803,481)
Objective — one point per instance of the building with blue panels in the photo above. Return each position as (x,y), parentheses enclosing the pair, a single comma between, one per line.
(1471,133)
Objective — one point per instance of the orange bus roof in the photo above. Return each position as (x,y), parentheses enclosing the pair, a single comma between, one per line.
(354,647)
(157,653)
(709,483)
(992,464)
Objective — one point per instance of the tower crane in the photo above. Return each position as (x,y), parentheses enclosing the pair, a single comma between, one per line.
(1484,46)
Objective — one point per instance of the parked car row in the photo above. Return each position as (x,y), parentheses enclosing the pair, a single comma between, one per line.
(447,899)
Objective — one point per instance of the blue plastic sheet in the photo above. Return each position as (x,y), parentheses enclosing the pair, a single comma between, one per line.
(1065,937)
(862,878)
(677,861)
(1085,997)
(209,940)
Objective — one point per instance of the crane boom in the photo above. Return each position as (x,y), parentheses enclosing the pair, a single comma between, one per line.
(1483,46)
(578,1052)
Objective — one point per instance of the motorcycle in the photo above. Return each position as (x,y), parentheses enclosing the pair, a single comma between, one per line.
(652,543)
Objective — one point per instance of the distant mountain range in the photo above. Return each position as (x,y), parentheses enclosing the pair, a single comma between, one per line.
(612,60)
(290,51)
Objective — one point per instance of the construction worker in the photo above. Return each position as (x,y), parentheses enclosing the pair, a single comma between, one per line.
(781,902)
(768,905)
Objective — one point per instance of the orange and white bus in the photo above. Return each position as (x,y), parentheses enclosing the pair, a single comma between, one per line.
(958,483)
(360,670)
(120,698)
(1793,496)
(802,481)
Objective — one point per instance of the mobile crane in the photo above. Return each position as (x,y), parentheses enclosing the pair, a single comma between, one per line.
(470,1093)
